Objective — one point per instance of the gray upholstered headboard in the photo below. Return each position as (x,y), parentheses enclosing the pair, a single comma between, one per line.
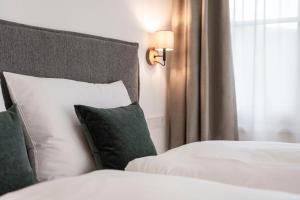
(59,54)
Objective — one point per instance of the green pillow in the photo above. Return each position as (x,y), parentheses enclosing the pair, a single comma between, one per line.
(117,135)
(15,169)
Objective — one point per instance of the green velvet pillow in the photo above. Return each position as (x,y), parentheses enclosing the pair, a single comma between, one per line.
(15,169)
(117,135)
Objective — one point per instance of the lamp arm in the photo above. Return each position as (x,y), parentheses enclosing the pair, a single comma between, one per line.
(162,64)
(164,56)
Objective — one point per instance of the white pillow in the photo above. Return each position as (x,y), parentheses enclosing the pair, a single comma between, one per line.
(2,104)
(58,147)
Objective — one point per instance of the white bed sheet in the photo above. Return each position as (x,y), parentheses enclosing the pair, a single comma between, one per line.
(119,185)
(264,165)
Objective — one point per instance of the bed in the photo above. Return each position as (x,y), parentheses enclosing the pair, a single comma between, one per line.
(264,165)
(115,185)
(59,54)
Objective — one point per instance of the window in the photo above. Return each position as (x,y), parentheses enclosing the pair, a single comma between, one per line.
(266,54)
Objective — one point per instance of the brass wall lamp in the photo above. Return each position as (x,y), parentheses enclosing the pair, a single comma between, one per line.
(163,42)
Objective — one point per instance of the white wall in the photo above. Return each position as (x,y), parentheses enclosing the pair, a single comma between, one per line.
(130,20)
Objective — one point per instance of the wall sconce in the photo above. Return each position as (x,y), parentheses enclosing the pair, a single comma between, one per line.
(163,41)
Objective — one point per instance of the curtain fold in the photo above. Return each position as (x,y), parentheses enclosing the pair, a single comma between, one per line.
(201,95)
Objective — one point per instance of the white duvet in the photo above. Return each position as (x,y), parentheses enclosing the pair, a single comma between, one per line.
(266,165)
(119,185)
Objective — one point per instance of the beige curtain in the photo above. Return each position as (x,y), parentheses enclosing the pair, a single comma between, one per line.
(201,95)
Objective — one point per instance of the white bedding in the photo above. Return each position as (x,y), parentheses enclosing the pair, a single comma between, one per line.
(119,185)
(266,165)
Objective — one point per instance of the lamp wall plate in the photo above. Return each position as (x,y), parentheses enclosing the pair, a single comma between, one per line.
(152,56)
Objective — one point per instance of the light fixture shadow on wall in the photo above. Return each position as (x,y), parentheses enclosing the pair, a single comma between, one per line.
(163,42)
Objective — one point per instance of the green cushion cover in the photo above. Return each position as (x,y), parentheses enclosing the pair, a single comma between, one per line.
(15,169)
(117,135)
